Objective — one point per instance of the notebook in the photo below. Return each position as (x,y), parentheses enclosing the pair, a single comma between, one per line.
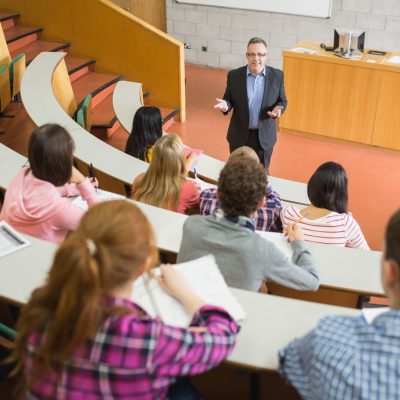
(188,150)
(10,240)
(203,277)
(103,194)
(279,240)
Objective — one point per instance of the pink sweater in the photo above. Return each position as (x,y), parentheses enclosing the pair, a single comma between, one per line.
(40,209)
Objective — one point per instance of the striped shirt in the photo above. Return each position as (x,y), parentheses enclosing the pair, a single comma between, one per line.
(337,229)
(134,356)
(267,217)
(345,358)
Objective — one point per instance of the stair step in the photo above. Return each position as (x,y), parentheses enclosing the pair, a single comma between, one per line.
(103,115)
(18,32)
(31,50)
(92,83)
(167,115)
(7,19)
(74,64)
(5,15)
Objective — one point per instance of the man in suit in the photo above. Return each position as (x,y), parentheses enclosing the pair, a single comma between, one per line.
(256,94)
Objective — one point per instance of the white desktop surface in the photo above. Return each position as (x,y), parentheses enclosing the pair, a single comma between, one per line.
(26,269)
(271,323)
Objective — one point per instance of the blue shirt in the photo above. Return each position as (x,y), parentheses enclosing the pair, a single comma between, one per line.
(345,358)
(255,93)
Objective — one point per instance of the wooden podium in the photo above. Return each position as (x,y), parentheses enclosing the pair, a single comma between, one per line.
(355,100)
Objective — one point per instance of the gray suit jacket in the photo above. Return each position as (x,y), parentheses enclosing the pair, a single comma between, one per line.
(236,97)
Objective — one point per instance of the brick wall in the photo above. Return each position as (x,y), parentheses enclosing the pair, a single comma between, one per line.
(225,31)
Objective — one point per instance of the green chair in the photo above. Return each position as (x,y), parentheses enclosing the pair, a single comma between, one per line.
(80,119)
(87,112)
(7,332)
(16,71)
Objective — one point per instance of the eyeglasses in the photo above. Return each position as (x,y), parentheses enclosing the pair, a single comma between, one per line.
(259,55)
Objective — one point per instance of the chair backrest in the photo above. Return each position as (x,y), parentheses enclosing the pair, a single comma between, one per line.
(5,57)
(5,93)
(62,89)
(17,70)
(80,119)
(87,112)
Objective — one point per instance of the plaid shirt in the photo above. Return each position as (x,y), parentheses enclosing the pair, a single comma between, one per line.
(135,357)
(344,358)
(267,217)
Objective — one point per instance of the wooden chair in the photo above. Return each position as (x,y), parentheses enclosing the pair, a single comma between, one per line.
(5,93)
(17,70)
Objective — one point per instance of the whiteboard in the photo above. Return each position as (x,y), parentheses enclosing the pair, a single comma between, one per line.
(311,8)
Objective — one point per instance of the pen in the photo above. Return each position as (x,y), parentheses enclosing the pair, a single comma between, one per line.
(12,235)
(146,280)
(195,173)
(92,175)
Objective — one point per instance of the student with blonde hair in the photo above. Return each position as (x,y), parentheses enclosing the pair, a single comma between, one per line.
(80,335)
(165,184)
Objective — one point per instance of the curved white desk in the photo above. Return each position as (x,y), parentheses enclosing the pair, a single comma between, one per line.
(271,323)
(10,163)
(42,107)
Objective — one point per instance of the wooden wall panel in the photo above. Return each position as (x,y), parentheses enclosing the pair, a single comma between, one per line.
(329,99)
(387,121)
(98,34)
(54,16)
(13,5)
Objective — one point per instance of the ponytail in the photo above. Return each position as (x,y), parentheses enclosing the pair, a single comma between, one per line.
(91,262)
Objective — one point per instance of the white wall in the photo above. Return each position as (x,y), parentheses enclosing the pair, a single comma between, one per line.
(226,31)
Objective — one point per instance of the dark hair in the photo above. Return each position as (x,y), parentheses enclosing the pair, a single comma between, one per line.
(241,186)
(146,130)
(50,154)
(392,239)
(256,40)
(327,188)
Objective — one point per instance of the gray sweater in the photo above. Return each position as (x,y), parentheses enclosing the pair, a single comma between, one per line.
(244,258)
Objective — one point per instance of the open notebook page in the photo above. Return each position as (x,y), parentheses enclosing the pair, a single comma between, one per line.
(103,194)
(203,277)
(279,241)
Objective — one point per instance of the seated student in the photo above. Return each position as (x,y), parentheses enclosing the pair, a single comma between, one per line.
(245,259)
(347,357)
(36,200)
(327,220)
(267,217)
(165,184)
(146,130)
(80,336)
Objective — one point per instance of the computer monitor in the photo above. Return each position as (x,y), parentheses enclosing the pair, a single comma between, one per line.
(346,42)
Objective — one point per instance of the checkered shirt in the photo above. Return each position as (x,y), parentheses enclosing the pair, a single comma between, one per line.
(135,357)
(267,217)
(345,358)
